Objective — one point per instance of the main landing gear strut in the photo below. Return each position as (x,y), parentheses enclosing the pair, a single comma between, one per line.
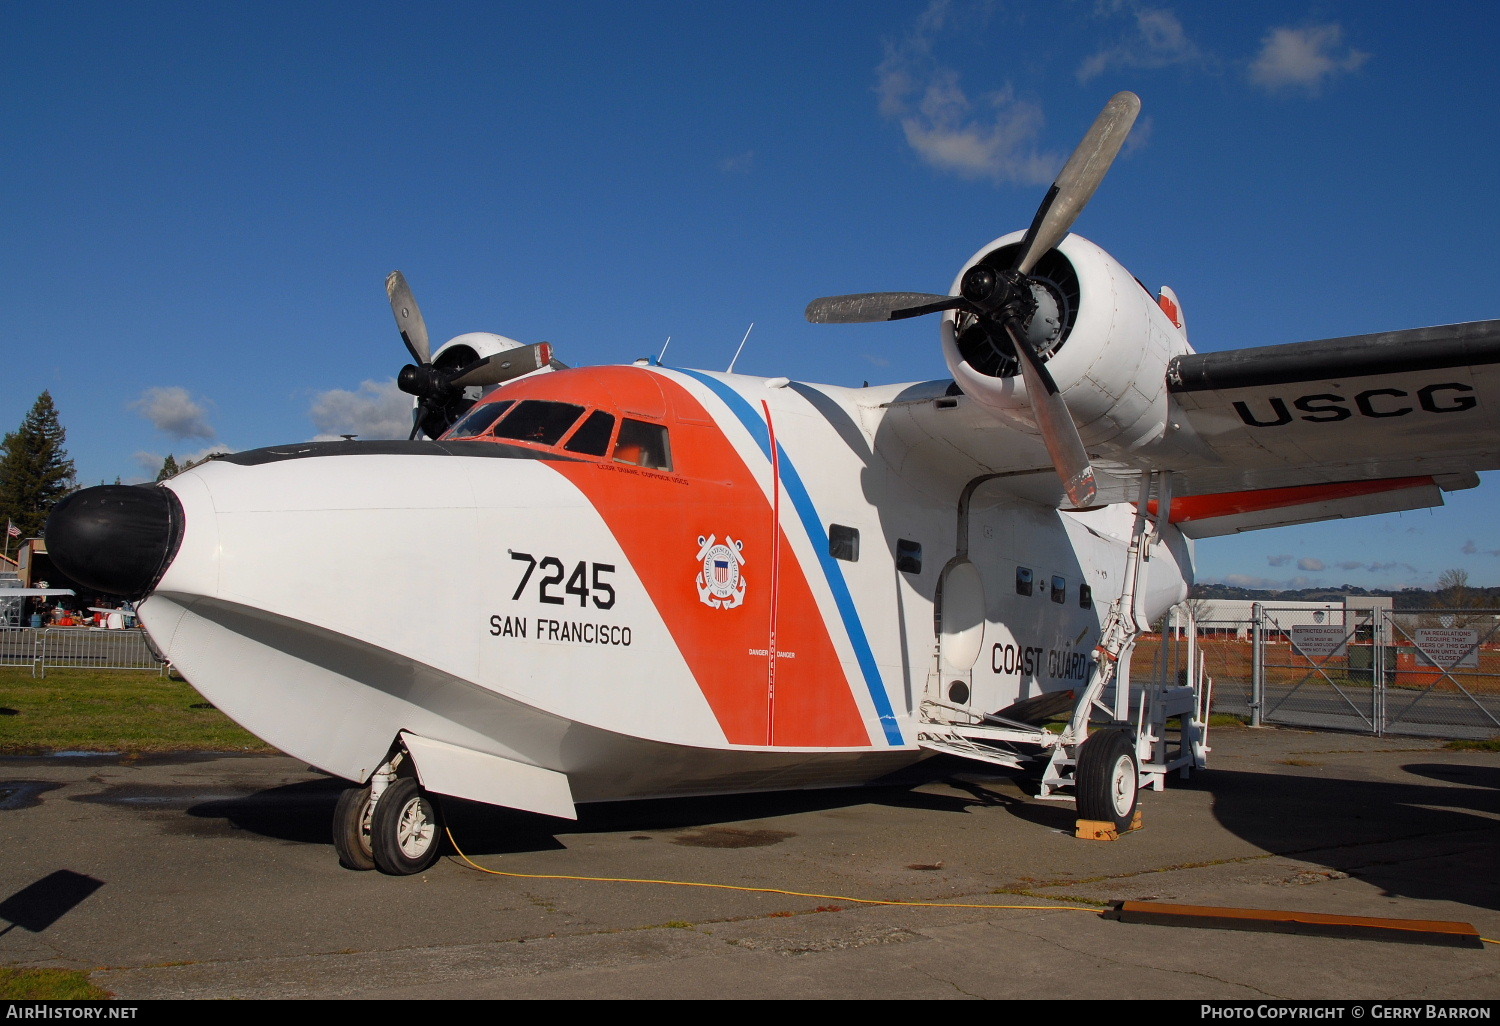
(389,824)
(1101,769)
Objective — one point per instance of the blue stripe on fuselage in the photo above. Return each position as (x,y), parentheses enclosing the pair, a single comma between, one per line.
(813,525)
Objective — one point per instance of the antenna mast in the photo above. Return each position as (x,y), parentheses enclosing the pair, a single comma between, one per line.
(741,349)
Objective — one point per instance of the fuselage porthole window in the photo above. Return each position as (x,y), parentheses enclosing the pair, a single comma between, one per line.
(908,556)
(1023,580)
(843,542)
(1059,589)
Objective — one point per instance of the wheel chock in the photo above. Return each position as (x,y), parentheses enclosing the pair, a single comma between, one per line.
(1096,830)
(1103,829)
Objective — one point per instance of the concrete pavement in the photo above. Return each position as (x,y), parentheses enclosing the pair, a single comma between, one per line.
(213,877)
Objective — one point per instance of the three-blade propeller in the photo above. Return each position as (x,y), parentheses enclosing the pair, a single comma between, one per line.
(1002,301)
(437,388)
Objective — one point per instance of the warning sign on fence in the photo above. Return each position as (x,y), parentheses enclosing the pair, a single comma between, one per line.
(1447,649)
(1320,642)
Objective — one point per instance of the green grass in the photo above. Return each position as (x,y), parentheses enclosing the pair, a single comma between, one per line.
(1460,745)
(111,711)
(48,985)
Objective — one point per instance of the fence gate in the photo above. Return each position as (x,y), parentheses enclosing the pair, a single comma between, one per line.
(1312,668)
(1433,672)
(1442,672)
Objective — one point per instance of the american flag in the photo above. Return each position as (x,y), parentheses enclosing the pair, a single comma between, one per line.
(12,530)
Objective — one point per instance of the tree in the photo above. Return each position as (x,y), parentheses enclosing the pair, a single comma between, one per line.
(169,468)
(1453,592)
(1453,589)
(35,471)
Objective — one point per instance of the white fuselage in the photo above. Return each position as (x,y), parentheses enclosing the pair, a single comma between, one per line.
(644,632)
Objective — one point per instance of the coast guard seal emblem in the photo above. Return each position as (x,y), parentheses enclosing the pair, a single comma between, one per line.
(720,583)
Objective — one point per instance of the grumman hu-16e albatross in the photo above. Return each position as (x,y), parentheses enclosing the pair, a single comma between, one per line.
(652,582)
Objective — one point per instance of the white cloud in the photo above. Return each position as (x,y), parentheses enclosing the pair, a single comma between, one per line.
(739,164)
(378,410)
(1304,58)
(1311,565)
(175,413)
(1282,560)
(1156,40)
(150,462)
(993,135)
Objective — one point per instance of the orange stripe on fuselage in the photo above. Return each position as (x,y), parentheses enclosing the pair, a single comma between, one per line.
(658,520)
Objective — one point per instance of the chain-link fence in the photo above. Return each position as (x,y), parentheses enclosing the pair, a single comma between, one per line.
(1441,669)
(1429,672)
(88,648)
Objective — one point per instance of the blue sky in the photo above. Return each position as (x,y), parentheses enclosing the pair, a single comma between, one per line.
(201,201)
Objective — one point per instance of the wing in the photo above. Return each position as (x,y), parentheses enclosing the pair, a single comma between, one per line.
(1339,427)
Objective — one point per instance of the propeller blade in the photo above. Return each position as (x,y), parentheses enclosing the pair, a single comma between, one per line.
(879,306)
(408,318)
(1079,178)
(512,363)
(1059,433)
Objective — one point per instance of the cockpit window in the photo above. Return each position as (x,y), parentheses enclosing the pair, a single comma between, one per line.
(644,445)
(537,420)
(477,420)
(592,439)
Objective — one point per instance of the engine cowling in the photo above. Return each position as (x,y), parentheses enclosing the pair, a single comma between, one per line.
(461,351)
(1103,337)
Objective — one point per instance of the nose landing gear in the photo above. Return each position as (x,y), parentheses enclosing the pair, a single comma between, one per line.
(389,824)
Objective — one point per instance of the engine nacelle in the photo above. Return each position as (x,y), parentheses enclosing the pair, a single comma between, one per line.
(1103,337)
(460,351)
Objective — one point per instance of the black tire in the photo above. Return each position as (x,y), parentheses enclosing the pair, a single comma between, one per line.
(1107,780)
(351,829)
(406,832)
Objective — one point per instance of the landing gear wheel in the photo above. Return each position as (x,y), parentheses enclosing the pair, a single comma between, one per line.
(1107,778)
(406,831)
(351,828)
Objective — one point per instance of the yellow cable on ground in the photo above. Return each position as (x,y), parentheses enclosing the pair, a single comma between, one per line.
(777,890)
(761,890)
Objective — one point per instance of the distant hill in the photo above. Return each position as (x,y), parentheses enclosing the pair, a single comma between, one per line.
(1406,598)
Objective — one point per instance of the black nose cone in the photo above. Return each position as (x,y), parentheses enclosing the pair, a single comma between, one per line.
(117,539)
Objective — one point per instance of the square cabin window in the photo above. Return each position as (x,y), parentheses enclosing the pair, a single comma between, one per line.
(1023,580)
(592,439)
(644,445)
(843,542)
(908,556)
(1059,590)
(1085,597)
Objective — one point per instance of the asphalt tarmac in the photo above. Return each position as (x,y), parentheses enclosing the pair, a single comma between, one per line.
(214,877)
